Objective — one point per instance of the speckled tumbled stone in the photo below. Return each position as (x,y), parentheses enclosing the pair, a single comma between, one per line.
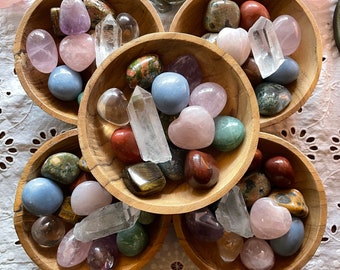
(272,98)
(254,186)
(220,14)
(97,10)
(61,167)
(132,241)
(292,199)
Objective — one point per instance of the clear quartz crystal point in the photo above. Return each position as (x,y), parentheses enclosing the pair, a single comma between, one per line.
(147,127)
(108,36)
(105,221)
(265,46)
(232,213)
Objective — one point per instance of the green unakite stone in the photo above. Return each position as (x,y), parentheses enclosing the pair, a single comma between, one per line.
(229,133)
(143,71)
(61,167)
(132,241)
(272,98)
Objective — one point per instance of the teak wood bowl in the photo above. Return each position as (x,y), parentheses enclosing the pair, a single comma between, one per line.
(45,258)
(189,19)
(307,181)
(94,133)
(35,82)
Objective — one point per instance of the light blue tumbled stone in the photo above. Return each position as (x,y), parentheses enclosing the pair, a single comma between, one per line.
(229,133)
(170,92)
(42,196)
(65,83)
(289,243)
(286,73)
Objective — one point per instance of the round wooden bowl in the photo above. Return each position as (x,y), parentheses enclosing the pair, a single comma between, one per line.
(307,181)
(94,133)
(35,82)
(45,258)
(189,19)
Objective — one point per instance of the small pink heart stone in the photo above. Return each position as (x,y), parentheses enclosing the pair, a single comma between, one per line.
(193,129)
(268,220)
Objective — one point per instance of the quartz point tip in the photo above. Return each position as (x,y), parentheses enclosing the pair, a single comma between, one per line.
(147,127)
(265,46)
(108,38)
(105,221)
(232,213)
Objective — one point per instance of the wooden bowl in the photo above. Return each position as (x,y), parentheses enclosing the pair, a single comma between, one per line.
(35,82)
(189,19)
(45,258)
(94,133)
(308,182)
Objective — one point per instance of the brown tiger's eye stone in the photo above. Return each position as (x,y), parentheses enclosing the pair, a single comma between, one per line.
(252,70)
(293,200)
(250,11)
(279,172)
(201,170)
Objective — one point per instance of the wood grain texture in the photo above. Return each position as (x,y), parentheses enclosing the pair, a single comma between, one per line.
(45,258)
(189,19)
(94,134)
(307,181)
(35,82)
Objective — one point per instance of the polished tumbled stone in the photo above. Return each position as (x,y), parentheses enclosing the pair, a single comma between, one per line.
(61,167)
(42,50)
(272,98)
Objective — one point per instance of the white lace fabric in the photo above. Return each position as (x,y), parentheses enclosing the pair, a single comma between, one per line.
(314,129)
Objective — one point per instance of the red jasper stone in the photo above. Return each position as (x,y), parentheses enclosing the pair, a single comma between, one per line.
(279,172)
(250,11)
(201,170)
(125,146)
(83,176)
(256,163)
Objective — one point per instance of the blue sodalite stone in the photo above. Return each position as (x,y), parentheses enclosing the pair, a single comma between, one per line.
(289,243)
(272,98)
(65,83)
(286,73)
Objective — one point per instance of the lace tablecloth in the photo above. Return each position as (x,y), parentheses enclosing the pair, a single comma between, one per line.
(314,129)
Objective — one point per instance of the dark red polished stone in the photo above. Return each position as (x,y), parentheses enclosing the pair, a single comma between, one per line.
(256,163)
(201,170)
(125,146)
(280,172)
(250,11)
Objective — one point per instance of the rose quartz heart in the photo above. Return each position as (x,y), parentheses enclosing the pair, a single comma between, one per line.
(193,129)
(268,220)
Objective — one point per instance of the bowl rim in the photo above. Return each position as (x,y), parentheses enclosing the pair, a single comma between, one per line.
(21,59)
(320,228)
(268,121)
(135,201)
(67,139)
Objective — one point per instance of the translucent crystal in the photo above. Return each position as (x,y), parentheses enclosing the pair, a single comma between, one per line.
(232,213)
(147,127)
(129,26)
(113,218)
(108,36)
(265,46)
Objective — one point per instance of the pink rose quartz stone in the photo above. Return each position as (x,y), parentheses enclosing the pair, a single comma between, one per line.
(77,51)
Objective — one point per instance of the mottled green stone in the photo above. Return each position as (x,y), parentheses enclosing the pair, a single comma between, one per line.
(229,133)
(143,70)
(253,187)
(61,167)
(132,241)
(221,14)
(272,98)
(146,218)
